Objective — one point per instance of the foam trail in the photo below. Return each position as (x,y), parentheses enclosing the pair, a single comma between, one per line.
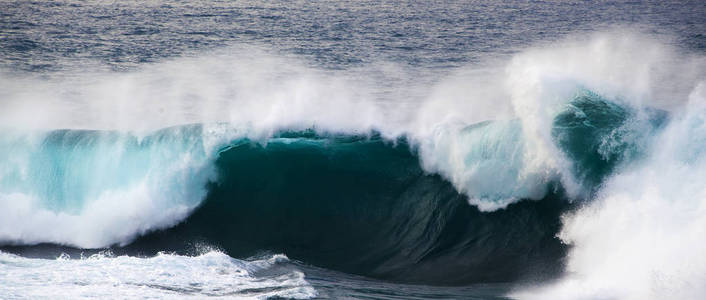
(165,276)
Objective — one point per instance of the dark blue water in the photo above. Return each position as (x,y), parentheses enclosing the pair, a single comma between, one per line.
(364,213)
(56,35)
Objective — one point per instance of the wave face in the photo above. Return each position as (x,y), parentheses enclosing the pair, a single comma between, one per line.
(365,206)
(360,204)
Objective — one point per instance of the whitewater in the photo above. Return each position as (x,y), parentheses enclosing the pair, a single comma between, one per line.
(567,168)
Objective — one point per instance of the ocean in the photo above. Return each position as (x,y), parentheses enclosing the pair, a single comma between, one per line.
(352,149)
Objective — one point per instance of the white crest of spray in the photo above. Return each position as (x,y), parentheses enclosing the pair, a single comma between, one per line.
(239,85)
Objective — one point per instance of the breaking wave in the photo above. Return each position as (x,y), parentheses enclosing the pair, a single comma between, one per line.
(340,169)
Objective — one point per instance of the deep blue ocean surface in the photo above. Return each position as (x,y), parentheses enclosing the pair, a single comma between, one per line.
(353,149)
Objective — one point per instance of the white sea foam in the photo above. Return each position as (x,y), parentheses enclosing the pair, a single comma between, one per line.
(94,189)
(643,237)
(165,276)
(533,87)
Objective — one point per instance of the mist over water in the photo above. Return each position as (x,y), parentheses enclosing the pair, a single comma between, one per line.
(575,147)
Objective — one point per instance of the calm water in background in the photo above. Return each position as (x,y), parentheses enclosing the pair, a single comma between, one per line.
(42,36)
